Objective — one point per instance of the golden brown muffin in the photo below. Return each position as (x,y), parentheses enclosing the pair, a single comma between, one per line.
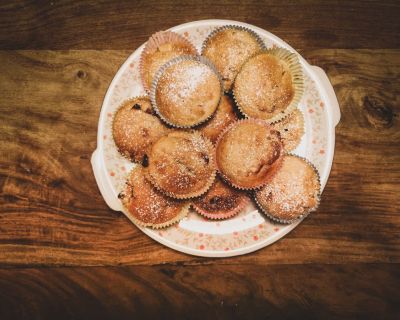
(248,153)
(182,164)
(293,191)
(291,129)
(221,201)
(222,118)
(264,87)
(135,128)
(160,48)
(186,92)
(228,48)
(147,206)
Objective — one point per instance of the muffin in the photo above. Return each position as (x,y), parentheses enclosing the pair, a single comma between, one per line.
(135,127)
(160,48)
(269,85)
(186,91)
(293,191)
(291,130)
(181,164)
(148,207)
(228,47)
(220,202)
(223,117)
(248,153)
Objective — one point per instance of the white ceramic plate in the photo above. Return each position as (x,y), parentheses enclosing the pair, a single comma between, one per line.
(250,230)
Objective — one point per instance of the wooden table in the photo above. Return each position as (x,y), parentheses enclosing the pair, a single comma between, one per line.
(65,255)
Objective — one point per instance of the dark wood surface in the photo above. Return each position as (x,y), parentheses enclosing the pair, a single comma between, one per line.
(317,291)
(127,24)
(64,254)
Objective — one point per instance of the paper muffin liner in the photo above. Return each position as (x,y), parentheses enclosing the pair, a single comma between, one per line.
(160,72)
(235,27)
(296,70)
(122,104)
(272,172)
(301,127)
(200,192)
(155,41)
(182,214)
(303,215)
(223,214)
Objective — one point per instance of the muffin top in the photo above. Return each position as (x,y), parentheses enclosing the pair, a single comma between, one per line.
(264,88)
(291,129)
(135,127)
(162,47)
(222,118)
(248,153)
(181,164)
(186,93)
(228,47)
(147,206)
(292,192)
(221,201)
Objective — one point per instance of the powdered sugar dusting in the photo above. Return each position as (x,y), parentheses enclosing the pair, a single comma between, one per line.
(135,128)
(263,87)
(222,118)
(184,81)
(228,49)
(181,164)
(146,204)
(291,129)
(187,92)
(248,152)
(293,191)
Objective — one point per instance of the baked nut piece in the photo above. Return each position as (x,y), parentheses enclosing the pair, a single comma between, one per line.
(228,47)
(248,153)
(181,164)
(221,201)
(186,91)
(147,206)
(291,129)
(135,127)
(222,118)
(292,193)
(160,48)
(269,85)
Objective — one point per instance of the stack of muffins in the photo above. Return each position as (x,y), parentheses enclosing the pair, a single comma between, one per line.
(215,131)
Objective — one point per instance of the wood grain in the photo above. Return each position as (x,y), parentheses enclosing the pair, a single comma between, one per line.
(126,24)
(65,255)
(52,214)
(197,292)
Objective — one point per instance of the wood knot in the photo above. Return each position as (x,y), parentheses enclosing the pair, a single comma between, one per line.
(56,183)
(168,272)
(377,113)
(81,74)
